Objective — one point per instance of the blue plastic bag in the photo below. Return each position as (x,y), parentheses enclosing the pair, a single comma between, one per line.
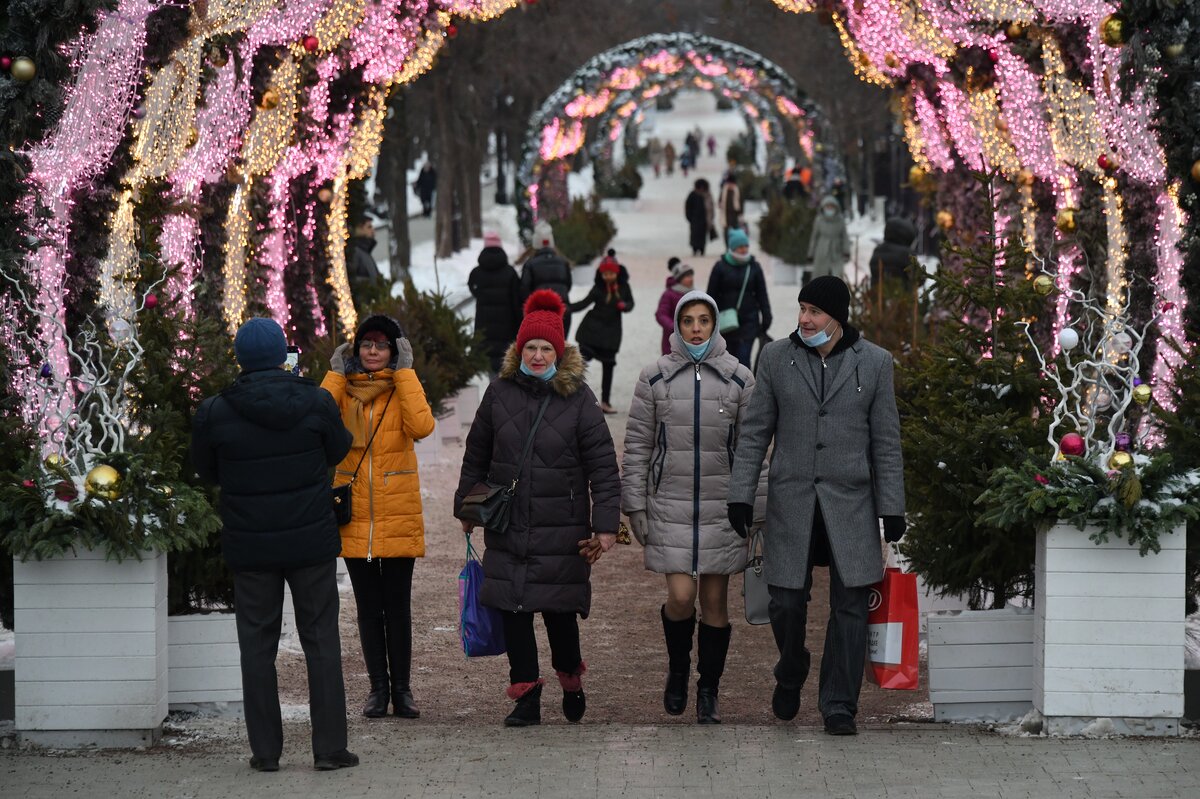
(480,627)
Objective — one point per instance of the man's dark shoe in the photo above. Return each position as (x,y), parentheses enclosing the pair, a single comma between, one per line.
(841,724)
(264,764)
(335,760)
(785,702)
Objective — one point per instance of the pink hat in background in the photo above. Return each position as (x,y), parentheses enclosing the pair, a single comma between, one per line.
(492,239)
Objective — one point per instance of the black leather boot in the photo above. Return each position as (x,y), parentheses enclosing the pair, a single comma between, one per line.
(528,710)
(403,704)
(377,701)
(710,665)
(678,635)
(374,647)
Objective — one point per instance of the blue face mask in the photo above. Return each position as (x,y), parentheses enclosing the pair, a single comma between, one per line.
(551,370)
(816,339)
(697,350)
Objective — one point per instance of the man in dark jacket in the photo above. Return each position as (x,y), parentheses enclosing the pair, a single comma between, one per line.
(497,291)
(268,441)
(426,185)
(894,253)
(547,269)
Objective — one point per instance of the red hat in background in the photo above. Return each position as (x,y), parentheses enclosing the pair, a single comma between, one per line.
(543,319)
(609,265)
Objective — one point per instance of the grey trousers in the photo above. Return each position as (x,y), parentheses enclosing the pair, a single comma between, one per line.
(845,640)
(258,606)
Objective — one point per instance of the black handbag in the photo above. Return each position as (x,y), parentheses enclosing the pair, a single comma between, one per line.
(341,494)
(487,503)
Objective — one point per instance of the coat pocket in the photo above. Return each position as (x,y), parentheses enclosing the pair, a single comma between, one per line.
(660,460)
(386,475)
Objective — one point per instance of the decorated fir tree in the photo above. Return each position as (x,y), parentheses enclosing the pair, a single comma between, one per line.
(969,401)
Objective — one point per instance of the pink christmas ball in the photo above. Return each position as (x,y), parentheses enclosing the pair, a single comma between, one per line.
(151,300)
(1072,444)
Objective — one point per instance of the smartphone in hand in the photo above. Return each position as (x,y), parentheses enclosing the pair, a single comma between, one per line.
(293,359)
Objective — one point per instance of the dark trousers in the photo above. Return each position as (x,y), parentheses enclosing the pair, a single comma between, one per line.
(608,365)
(258,607)
(562,630)
(383,593)
(845,638)
(740,347)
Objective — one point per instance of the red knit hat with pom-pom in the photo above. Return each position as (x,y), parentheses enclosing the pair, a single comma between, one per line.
(543,319)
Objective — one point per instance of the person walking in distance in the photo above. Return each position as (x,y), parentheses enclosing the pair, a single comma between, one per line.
(566,508)
(268,441)
(737,281)
(383,404)
(599,333)
(546,268)
(698,210)
(731,204)
(496,288)
(829,246)
(825,398)
(679,444)
(679,282)
(426,185)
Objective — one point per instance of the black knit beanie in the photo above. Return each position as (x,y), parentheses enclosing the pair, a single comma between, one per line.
(830,294)
(386,325)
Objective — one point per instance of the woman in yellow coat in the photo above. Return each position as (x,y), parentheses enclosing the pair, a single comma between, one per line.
(378,392)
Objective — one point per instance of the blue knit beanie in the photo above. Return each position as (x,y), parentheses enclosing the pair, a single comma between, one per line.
(259,345)
(738,238)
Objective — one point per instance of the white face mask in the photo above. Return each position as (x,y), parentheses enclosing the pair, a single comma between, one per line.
(829,213)
(818,338)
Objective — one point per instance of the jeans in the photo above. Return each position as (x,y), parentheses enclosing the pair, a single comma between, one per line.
(258,609)
(562,629)
(845,638)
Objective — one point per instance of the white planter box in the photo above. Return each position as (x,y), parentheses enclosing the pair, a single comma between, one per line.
(981,664)
(204,662)
(91,650)
(1108,633)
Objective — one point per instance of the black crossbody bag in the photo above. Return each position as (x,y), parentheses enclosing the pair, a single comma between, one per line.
(341,494)
(488,504)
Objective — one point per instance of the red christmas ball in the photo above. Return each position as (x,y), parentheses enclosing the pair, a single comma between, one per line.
(1072,444)
(151,301)
(28,483)
(994,56)
(6,63)
(311,43)
(451,30)
(1104,162)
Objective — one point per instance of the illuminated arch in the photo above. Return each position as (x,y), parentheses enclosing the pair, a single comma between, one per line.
(604,93)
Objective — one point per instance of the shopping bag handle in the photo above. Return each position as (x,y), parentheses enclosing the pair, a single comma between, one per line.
(893,551)
(472,554)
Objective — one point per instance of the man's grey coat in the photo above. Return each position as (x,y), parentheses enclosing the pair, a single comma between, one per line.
(845,451)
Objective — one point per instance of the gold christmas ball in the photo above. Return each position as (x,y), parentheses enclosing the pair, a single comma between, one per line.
(23,69)
(104,481)
(1174,50)
(1014,30)
(890,60)
(945,220)
(324,195)
(270,99)
(166,491)
(1112,30)
(1196,171)
(1120,460)
(193,137)
(1065,220)
(1001,125)
(1142,394)
(1043,284)
(917,176)
(55,461)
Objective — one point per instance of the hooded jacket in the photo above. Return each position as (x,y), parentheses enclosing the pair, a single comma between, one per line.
(679,449)
(268,441)
(829,247)
(666,311)
(895,251)
(497,291)
(568,487)
(386,520)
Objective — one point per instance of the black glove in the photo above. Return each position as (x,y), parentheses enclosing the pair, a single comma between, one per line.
(893,528)
(741,516)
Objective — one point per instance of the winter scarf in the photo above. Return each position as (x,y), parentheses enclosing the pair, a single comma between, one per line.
(363,390)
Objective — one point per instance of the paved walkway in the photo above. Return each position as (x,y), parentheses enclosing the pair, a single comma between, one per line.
(621,761)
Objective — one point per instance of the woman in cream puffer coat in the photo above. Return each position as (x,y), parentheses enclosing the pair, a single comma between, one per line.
(679,445)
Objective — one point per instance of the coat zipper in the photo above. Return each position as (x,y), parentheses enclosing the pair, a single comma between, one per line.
(696,478)
(386,475)
(370,486)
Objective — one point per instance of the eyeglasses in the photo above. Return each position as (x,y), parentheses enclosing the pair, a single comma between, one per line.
(375,345)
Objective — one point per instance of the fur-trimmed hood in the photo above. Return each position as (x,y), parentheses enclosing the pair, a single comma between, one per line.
(566,381)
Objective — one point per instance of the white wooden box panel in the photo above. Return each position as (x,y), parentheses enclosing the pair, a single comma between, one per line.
(981,664)
(205,661)
(91,644)
(1110,628)
(980,655)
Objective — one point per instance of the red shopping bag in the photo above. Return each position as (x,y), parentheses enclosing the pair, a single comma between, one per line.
(892,632)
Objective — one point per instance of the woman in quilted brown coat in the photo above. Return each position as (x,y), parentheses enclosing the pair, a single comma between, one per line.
(378,392)
(566,509)
(679,444)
